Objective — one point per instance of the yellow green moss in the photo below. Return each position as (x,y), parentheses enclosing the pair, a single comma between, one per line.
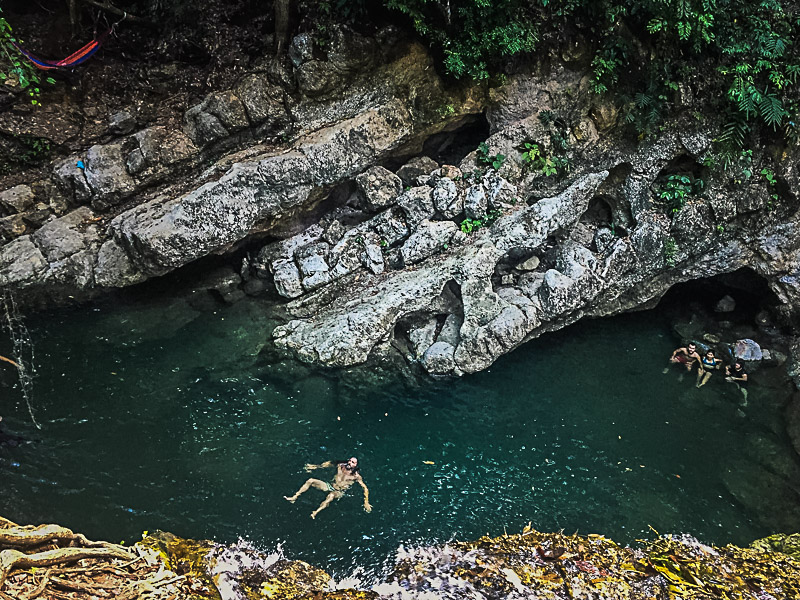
(289,580)
(780,542)
(548,564)
(184,557)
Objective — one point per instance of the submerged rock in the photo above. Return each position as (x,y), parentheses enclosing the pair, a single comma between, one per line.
(748,349)
(774,501)
(725,304)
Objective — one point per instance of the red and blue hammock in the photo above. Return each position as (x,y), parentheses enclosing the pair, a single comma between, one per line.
(72,60)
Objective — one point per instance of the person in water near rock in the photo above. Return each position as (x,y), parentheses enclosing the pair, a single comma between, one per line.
(735,373)
(686,356)
(347,473)
(707,364)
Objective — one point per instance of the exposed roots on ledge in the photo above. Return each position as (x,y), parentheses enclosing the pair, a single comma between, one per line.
(50,561)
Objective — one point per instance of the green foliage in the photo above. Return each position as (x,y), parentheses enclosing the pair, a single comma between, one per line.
(533,157)
(676,189)
(769,175)
(745,50)
(27,151)
(670,251)
(731,140)
(492,160)
(446,110)
(740,164)
(15,69)
(472,225)
(605,66)
(475,36)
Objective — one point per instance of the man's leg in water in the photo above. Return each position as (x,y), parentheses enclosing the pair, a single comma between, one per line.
(324,504)
(320,485)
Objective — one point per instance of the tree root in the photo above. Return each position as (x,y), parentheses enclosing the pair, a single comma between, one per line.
(34,536)
(42,584)
(14,559)
(103,570)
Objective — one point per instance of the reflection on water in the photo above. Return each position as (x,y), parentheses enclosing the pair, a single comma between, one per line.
(167,417)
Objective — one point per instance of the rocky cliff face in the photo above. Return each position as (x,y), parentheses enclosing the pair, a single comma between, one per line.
(530,565)
(147,203)
(555,217)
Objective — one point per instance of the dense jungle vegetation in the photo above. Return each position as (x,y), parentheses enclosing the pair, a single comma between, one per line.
(738,56)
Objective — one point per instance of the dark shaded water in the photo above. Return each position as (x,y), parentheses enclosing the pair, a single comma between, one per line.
(163,417)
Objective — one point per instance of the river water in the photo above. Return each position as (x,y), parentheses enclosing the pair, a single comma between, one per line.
(159,415)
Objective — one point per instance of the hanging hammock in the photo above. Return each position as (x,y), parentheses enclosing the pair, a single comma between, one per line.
(72,60)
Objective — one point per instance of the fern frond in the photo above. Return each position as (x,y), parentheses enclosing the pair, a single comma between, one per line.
(643,100)
(734,133)
(771,110)
(749,97)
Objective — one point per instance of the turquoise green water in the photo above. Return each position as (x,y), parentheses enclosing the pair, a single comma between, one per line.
(158,417)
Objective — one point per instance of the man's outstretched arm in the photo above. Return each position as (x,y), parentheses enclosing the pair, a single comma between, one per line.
(367,505)
(325,465)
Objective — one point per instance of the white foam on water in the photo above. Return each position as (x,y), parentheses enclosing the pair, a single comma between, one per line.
(227,563)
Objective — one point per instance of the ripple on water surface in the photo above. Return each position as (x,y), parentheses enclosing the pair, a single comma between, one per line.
(166,417)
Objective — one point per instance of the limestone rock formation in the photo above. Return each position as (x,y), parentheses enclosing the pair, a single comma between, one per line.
(266,189)
(494,252)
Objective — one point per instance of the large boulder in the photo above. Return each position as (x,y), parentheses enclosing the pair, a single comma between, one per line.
(106,175)
(448,202)
(417,204)
(16,200)
(439,359)
(63,237)
(416,167)
(430,237)
(287,278)
(12,227)
(558,294)
(21,262)
(217,116)
(748,350)
(379,187)
(476,202)
(422,336)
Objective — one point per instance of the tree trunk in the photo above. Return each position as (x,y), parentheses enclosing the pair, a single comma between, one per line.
(73,17)
(282,8)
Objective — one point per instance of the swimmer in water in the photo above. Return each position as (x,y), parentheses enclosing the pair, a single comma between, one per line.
(347,473)
(735,373)
(686,356)
(707,364)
